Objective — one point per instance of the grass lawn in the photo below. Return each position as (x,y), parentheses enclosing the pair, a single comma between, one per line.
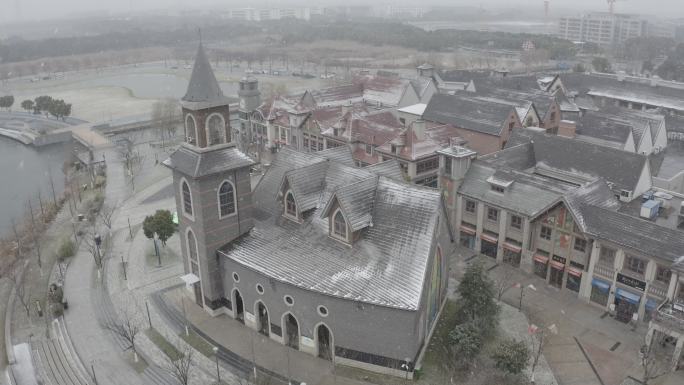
(199,343)
(163,345)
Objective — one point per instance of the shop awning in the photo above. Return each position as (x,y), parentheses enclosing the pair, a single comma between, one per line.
(602,285)
(512,247)
(628,296)
(557,265)
(651,304)
(541,258)
(489,238)
(468,230)
(575,272)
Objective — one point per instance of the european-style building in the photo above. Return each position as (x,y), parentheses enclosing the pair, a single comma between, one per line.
(345,263)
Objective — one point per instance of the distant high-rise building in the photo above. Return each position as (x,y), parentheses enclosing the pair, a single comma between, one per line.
(602,28)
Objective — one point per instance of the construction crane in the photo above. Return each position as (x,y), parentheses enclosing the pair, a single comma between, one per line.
(611,5)
(546,8)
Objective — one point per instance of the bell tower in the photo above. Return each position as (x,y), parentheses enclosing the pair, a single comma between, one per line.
(211,179)
(206,115)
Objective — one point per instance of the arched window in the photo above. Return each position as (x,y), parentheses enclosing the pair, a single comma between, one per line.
(190,130)
(339,225)
(290,205)
(192,253)
(216,129)
(226,199)
(187,198)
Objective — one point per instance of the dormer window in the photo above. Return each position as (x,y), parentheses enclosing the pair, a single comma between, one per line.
(497,185)
(335,132)
(290,205)
(394,149)
(498,189)
(339,229)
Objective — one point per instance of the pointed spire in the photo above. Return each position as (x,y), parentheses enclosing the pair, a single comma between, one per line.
(203,87)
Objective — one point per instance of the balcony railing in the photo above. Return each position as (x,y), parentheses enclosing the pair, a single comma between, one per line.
(670,317)
(657,289)
(604,271)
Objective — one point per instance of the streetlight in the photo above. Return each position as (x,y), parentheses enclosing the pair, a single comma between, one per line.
(218,373)
(522,292)
(98,242)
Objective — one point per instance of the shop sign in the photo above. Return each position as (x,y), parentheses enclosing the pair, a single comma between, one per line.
(558,258)
(633,282)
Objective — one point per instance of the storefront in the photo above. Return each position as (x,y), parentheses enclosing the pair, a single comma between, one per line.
(512,253)
(600,291)
(468,237)
(626,304)
(650,308)
(557,271)
(574,279)
(541,265)
(628,297)
(490,244)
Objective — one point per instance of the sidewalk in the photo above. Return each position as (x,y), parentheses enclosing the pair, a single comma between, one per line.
(92,343)
(590,347)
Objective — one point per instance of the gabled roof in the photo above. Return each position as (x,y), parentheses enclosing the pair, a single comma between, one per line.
(516,196)
(468,113)
(386,265)
(306,184)
(203,89)
(196,163)
(389,169)
(637,234)
(356,201)
(579,161)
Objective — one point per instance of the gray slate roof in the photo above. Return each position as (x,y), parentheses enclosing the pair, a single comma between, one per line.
(570,159)
(636,233)
(385,266)
(203,89)
(516,196)
(194,162)
(468,113)
(389,168)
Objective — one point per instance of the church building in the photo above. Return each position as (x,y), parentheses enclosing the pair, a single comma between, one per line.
(343,263)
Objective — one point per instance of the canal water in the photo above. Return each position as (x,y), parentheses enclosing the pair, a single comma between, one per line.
(26,170)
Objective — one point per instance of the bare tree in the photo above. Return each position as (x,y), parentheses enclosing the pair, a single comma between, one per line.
(106,213)
(502,284)
(126,329)
(19,284)
(181,368)
(89,238)
(166,116)
(654,361)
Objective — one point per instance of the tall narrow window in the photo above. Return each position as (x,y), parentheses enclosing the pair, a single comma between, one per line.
(187,198)
(290,205)
(190,131)
(339,225)
(192,253)
(226,199)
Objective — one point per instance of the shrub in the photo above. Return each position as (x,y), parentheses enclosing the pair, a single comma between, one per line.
(465,342)
(511,356)
(66,249)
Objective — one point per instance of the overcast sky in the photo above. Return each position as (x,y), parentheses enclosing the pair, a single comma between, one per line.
(54,8)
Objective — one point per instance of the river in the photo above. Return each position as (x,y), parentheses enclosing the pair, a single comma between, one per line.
(25,171)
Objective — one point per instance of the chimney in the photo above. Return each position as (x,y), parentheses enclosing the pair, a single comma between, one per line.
(621,76)
(567,128)
(418,128)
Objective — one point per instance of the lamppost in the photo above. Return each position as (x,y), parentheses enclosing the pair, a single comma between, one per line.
(522,292)
(218,373)
(98,242)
